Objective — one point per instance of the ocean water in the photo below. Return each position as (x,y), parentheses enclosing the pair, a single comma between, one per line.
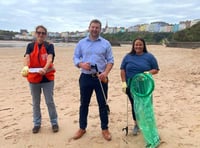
(7,43)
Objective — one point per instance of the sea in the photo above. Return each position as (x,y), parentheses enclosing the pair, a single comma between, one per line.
(11,43)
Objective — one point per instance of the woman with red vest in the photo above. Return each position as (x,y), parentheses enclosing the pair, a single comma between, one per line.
(39,71)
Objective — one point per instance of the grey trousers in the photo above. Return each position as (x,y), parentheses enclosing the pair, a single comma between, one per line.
(47,89)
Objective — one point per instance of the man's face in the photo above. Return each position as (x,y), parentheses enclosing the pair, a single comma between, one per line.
(94,30)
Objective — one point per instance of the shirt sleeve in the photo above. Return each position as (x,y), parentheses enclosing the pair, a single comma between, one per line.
(29,48)
(50,50)
(109,56)
(123,64)
(154,62)
(77,55)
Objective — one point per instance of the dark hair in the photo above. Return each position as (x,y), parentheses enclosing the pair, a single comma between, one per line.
(95,21)
(133,50)
(41,26)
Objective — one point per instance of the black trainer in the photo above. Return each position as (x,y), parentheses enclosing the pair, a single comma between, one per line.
(55,128)
(36,129)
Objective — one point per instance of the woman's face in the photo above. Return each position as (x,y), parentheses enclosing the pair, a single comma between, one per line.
(139,47)
(40,35)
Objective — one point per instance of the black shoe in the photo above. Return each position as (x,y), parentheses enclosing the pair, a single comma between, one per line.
(55,128)
(36,129)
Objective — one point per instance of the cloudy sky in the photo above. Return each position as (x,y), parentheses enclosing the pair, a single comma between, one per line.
(73,15)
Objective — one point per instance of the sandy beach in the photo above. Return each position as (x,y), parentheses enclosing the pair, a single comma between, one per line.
(176,101)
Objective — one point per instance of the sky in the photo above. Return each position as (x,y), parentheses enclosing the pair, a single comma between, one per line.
(75,15)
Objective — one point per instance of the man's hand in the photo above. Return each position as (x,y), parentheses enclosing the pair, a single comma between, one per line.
(85,65)
(103,77)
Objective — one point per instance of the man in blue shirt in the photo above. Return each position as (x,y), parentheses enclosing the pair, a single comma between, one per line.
(93,51)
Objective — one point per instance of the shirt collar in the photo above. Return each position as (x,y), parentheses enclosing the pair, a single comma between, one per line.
(98,39)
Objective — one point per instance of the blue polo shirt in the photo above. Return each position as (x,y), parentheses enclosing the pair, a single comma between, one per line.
(94,52)
(134,64)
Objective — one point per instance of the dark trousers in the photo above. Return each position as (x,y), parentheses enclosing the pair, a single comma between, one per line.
(87,84)
(128,92)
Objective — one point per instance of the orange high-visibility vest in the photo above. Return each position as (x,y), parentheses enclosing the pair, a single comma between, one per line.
(38,59)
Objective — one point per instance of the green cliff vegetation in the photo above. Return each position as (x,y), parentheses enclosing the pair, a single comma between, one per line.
(150,37)
(188,35)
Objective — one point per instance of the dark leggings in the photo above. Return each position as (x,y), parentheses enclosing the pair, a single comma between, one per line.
(128,92)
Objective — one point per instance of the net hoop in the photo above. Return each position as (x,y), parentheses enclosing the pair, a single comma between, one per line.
(142,85)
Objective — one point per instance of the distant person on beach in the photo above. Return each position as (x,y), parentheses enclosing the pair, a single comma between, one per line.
(39,71)
(93,54)
(138,60)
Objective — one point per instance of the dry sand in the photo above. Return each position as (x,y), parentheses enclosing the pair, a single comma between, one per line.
(176,102)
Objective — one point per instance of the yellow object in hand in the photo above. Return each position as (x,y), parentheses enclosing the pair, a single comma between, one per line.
(124,87)
(24,71)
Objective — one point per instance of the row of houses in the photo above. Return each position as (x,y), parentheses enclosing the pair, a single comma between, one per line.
(152,27)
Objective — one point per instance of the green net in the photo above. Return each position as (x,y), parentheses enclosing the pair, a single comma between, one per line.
(141,87)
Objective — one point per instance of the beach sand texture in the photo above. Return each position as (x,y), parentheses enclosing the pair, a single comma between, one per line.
(176,102)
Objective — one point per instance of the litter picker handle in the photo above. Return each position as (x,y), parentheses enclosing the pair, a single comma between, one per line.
(108,109)
(96,68)
(104,80)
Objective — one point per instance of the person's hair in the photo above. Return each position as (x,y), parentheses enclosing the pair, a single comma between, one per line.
(41,26)
(133,50)
(95,21)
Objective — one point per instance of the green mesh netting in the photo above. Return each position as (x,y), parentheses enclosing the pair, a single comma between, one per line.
(141,87)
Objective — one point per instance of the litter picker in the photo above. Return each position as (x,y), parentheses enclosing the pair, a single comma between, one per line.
(126,128)
(107,106)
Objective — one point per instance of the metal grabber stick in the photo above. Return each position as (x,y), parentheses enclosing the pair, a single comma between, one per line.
(126,128)
(107,107)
